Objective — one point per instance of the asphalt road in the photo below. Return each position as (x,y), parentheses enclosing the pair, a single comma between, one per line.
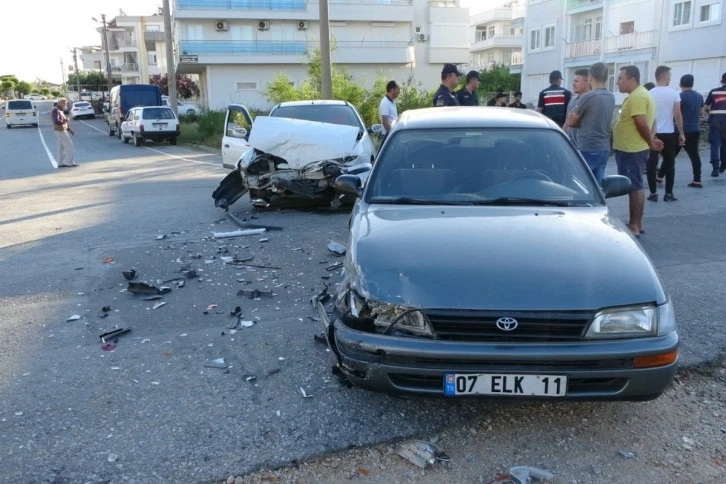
(150,410)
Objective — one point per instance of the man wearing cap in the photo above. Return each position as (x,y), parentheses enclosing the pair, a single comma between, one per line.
(467,94)
(716,107)
(518,101)
(449,80)
(553,101)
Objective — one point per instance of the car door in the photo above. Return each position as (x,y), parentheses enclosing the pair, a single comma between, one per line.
(237,126)
(127,124)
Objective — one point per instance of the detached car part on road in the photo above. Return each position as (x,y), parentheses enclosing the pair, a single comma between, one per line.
(295,153)
(483,260)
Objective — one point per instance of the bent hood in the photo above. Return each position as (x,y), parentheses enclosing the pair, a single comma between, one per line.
(500,258)
(301,142)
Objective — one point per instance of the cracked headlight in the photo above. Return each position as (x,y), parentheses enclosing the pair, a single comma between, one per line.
(629,322)
(392,317)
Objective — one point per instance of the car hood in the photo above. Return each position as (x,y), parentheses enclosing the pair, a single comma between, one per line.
(499,258)
(301,142)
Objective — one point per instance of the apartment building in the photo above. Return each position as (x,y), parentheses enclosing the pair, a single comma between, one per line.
(136,48)
(497,37)
(572,34)
(91,58)
(238,46)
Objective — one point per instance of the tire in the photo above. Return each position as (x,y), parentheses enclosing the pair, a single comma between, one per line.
(118,131)
(93,117)
(110,131)
(35,125)
(172,141)
(125,140)
(191,112)
(8,126)
(138,141)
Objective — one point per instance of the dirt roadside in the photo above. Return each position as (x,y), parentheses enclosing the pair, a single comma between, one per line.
(679,438)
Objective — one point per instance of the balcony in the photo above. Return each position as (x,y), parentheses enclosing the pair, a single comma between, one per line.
(244,51)
(516,59)
(373,52)
(288,5)
(577,6)
(583,48)
(632,41)
(130,67)
(366,10)
(493,15)
(117,43)
(498,41)
(154,36)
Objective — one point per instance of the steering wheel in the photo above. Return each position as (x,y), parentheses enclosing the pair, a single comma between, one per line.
(536,175)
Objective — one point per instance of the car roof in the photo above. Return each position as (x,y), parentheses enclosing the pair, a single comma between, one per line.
(473,117)
(325,102)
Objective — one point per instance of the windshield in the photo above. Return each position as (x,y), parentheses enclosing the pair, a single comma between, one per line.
(81,105)
(497,166)
(20,105)
(333,114)
(158,113)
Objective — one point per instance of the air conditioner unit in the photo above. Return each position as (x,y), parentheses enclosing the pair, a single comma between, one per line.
(422,37)
(302,25)
(221,26)
(263,25)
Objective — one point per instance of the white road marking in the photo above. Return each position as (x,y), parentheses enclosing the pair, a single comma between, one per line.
(47,151)
(161,152)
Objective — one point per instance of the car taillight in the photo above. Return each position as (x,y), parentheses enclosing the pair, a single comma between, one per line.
(141,128)
(34,113)
(177,127)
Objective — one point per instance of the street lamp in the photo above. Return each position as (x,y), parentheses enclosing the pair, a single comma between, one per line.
(104,41)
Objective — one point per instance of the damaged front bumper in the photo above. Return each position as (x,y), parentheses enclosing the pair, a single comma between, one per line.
(597,370)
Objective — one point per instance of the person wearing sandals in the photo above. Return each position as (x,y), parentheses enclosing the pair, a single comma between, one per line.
(667,109)
(691,109)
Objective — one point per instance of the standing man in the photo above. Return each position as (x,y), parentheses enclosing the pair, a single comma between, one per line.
(495,98)
(387,108)
(61,130)
(634,136)
(553,101)
(467,94)
(667,108)
(593,114)
(691,110)
(716,106)
(449,80)
(580,86)
(518,101)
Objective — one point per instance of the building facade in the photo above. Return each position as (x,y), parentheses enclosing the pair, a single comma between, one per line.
(573,34)
(237,46)
(497,37)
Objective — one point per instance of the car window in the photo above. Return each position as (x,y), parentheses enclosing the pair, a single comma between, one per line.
(158,113)
(481,165)
(334,114)
(81,105)
(237,125)
(20,105)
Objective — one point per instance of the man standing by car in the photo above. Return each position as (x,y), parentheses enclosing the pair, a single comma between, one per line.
(61,130)
(467,94)
(553,100)
(716,106)
(593,114)
(691,109)
(580,86)
(518,101)
(387,108)
(449,80)
(633,138)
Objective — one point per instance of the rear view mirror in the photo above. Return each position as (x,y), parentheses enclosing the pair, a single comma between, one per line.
(615,186)
(349,184)
(237,132)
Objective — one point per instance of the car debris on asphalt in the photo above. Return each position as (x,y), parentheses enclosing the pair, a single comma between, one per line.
(336,248)
(525,475)
(217,363)
(237,233)
(112,335)
(255,293)
(158,305)
(144,288)
(75,317)
(129,275)
(421,453)
(304,393)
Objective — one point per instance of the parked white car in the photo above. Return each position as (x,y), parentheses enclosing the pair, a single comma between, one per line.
(35,97)
(82,109)
(19,112)
(296,152)
(156,123)
(183,107)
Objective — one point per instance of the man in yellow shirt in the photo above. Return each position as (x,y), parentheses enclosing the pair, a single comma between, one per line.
(633,138)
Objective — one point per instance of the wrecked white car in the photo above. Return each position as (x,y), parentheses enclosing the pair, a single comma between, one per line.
(297,152)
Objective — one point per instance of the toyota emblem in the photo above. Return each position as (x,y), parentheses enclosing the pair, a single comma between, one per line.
(507,324)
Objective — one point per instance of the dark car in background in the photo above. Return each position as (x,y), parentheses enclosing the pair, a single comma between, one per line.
(483,260)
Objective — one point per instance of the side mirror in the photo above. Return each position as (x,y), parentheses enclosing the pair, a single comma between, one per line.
(377,129)
(349,185)
(237,132)
(615,186)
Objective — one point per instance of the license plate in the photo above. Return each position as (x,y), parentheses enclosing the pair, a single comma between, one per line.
(456,384)
(21,114)
(159,125)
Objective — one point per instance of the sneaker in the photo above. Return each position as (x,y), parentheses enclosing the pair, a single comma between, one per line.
(74,164)
(714,173)
(668,197)
(653,197)
(695,184)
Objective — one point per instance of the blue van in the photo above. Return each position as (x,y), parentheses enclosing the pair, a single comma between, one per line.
(129,96)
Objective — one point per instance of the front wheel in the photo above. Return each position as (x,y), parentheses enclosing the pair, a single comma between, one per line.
(35,125)
(138,141)
(118,131)
(125,139)
(172,141)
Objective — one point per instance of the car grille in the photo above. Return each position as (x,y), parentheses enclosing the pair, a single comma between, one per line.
(532,326)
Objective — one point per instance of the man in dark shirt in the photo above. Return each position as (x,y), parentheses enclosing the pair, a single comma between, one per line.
(467,94)
(716,105)
(494,101)
(553,101)
(449,80)
(691,109)
(518,101)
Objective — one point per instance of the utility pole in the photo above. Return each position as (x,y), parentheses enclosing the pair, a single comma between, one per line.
(104,41)
(78,74)
(170,68)
(325,68)
(63,77)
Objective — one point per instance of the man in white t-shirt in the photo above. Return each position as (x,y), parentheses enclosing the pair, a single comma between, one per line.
(387,107)
(667,110)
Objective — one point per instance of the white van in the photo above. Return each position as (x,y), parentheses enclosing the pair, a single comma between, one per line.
(20,111)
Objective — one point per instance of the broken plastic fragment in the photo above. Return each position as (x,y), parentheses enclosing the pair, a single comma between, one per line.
(237,233)
(211,306)
(254,294)
(218,363)
(246,324)
(191,274)
(336,248)
(129,275)
(161,237)
(106,309)
(75,317)
(626,453)
(304,394)
(112,457)
(251,378)
(418,452)
(108,347)
(107,260)
(524,474)
(158,305)
(264,240)
(142,288)
(105,337)
(151,298)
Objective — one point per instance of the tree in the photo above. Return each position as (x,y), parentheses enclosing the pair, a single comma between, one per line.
(55,93)
(45,91)
(185,86)
(93,80)
(23,88)
(7,84)
(497,77)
